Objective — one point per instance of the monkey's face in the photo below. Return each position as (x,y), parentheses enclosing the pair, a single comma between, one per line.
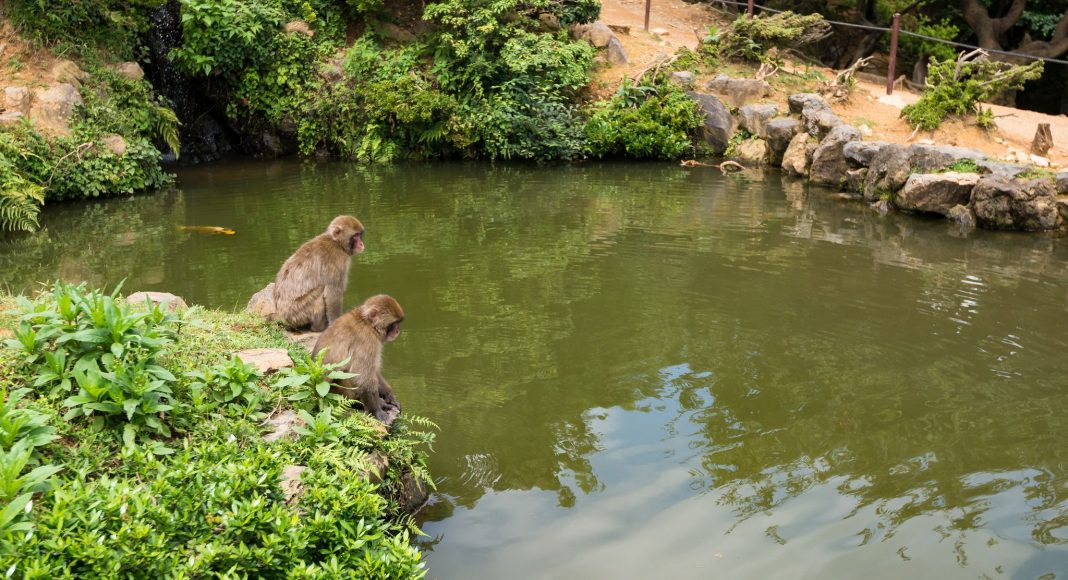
(393,331)
(355,243)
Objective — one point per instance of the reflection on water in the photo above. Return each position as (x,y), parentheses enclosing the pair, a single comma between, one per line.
(649,371)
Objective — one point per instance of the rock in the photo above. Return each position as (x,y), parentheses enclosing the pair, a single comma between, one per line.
(865,130)
(331,71)
(795,159)
(962,215)
(719,124)
(130,70)
(412,494)
(66,72)
(1040,161)
(1062,183)
(779,132)
(266,360)
(887,172)
(860,153)
(738,92)
(754,118)
(166,300)
(116,144)
(262,303)
(935,192)
(620,28)
(801,101)
(1004,204)
(659,32)
(52,108)
(855,179)
(305,339)
(292,488)
(549,21)
(1008,170)
(299,27)
(377,465)
(614,52)
(395,33)
(819,123)
(882,207)
(599,34)
(753,152)
(10,118)
(829,165)
(1043,141)
(283,425)
(682,78)
(925,158)
(17,99)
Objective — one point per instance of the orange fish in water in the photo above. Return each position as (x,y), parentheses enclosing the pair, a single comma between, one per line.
(208,230)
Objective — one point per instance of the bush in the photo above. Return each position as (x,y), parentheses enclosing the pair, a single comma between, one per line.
(750,39)
(644,121)
(956,88)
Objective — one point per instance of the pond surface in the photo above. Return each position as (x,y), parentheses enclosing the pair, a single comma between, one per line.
(646,371)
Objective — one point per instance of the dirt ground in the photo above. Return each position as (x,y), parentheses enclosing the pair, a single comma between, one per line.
(682,24)
(20,62)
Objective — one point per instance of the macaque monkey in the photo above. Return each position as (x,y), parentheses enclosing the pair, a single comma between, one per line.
(359,336)
(311,284)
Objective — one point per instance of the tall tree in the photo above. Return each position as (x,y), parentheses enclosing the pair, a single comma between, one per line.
(992,32)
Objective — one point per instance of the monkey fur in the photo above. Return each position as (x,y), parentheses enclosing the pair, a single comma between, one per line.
(310,286)
(359,336)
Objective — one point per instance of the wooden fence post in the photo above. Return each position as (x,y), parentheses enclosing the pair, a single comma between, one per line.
(892,64)
(648,5)
(749,9)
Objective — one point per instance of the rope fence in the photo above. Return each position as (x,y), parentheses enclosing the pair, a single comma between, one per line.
(894,30)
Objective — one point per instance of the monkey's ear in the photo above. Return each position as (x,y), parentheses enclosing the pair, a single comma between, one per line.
(335,231)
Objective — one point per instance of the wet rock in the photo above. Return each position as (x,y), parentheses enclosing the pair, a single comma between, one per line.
(887,173)
(882,207)
(166,300)
(1000,168)
(52,108)
(377,464)
(17,99)
(290,483)
(860,153)
(753,152)
(614,52)
(283,425)
(412,495)
(130,70)
(719,124)
(738,92)
(1004,204)
(926,158)
(298,27)
(962,215)
(266,360)
(1062,183)
(829,165)
(305,339)
(795,159)
(262,303)
(116,144)
(682,78)
(754,118)
(779,133)
(855,180)
(935,192)
(66,72)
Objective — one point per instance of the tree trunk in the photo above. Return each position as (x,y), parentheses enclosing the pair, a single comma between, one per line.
(991,31)
(1052,48)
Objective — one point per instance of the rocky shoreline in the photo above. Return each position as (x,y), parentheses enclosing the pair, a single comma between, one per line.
(809,141)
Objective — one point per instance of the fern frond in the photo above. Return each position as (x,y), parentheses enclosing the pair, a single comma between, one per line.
(19,210)
(166,124)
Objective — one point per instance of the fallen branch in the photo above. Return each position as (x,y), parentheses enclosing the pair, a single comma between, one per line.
(661,60)
(723,166)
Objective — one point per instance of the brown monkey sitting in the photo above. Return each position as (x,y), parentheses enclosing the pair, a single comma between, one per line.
(309,288)
(359,336)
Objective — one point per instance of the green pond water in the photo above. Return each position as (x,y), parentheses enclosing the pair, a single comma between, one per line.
(646,371)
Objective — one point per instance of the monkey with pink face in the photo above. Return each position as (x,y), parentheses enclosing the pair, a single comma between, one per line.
(310,286)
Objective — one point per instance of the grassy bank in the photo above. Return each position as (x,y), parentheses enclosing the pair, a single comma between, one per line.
(132,444)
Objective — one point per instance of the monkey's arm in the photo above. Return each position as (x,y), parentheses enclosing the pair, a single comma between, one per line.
(333,296)
(386,392)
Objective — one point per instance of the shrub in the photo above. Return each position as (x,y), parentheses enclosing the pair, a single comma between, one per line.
(750,39)
(644,121)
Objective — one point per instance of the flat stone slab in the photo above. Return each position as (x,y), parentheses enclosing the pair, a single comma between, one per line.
(305,339)
(168,300)
(282,425)
(266,360)
(292,488)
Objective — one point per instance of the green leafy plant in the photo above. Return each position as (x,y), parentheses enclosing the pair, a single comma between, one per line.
(644,121)
(750,39)
(308,382)
(19,424)
(963,166)
(321,427)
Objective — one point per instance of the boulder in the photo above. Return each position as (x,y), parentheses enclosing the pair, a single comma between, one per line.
(860,153)
(11,118)
(925,158)
(377,465)
(17,99)
(53,107)
(1039,161)
(549,21)
(682,78)
(290,483)
(829,165)
(596,33)
(882,207)
(266,360)
(754,118)
(283,425)
(1008,170)
(753,152)
(116,144)
(819,123)
(66,72)
(1043,141)
(719,124)
(962,215)
(779,133)
(801,101)
(614,52)
(1062,183)
(855,180)
(412,494)
(298,27)
(130,70)
(795,159)
(738,92)
(262,303)
(395,33)
(888,171)
(1004,204)
(166,300)
(935,192)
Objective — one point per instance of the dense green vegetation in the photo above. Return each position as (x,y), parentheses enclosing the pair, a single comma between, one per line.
(131,444)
